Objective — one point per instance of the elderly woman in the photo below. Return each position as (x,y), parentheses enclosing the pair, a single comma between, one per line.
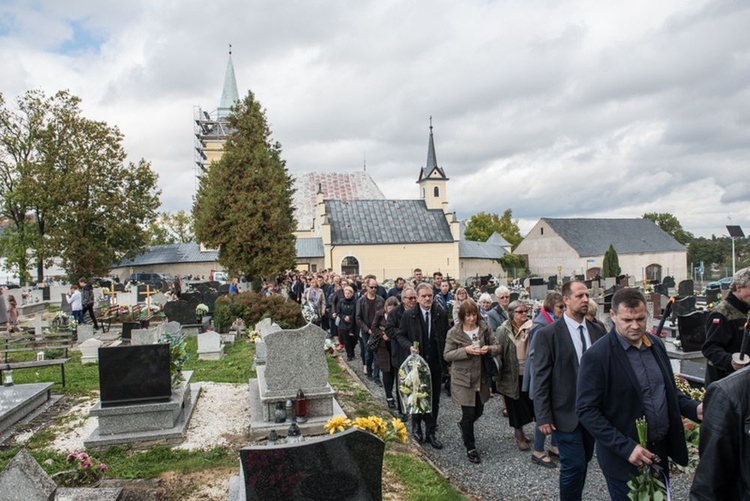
(552,309)
(513,338)
(499,314)
(485,305)
(591,315)
(461,296)
(465,345)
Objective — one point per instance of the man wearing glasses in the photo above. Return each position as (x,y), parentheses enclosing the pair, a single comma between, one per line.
(558,348)
(367,306)
(398,355)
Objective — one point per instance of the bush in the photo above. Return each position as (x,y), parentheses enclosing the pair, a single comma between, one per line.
(252,307)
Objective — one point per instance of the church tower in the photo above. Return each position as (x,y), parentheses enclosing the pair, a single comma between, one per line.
(432,180)
(212,128)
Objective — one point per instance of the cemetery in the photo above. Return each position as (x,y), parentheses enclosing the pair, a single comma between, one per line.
(190,403)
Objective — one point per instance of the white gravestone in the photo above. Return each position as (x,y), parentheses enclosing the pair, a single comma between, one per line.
(209,346)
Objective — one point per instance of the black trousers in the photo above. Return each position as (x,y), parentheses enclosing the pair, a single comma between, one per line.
(90,310)
(468,416)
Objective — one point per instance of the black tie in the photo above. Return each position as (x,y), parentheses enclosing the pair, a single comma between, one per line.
(427,323)
(583,339)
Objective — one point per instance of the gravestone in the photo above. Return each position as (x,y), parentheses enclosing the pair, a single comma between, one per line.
(182,311)
(536,281)
(209,346)
(223,289)
(209,299)
(24,479)
(64,304)
(313,470)
(686,288)
(20,400)
(39,324)
(713,296)
(144,336)
(610,282)
(88,494)
(46,293)
(90,351)
(668,282)
(538,291)
(514,296)
(692,329)
(654,298)
(85,331)
(683,306)
(170,328)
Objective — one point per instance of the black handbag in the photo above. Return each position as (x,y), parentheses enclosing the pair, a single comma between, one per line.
(489,366)
(373,344)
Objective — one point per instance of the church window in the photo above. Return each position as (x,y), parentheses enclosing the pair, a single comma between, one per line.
(436,191)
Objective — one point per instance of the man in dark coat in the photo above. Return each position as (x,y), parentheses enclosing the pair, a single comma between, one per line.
(369,303)
(724,328)
(408,301)
(724,469)
(557,351)
(623,377)
(426,324)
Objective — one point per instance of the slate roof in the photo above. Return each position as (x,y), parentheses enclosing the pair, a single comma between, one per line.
(592,237)
(468,249)
(171,254)
(310,247)
(340,186)
(361,222)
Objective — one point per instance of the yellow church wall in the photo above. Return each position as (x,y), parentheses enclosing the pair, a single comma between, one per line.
(397,260)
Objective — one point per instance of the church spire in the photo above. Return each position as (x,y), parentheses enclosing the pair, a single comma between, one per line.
(229,94)
(431,165)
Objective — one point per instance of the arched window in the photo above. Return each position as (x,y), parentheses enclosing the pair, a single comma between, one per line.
(350,266)
(424,193)
(653,272)
(436,191)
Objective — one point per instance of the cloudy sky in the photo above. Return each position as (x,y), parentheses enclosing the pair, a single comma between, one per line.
(551,108)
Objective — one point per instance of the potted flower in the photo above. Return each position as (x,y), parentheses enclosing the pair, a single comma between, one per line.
(87,471)
(388,431)
(177,357)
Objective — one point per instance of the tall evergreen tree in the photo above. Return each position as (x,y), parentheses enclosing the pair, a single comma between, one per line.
(244,201)
(611,263)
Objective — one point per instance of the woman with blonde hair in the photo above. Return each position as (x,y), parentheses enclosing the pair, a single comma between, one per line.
(461,296)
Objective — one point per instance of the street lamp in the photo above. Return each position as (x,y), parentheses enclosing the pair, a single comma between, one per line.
(734,232)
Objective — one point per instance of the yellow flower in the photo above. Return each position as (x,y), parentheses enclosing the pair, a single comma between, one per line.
(399,429)
(337,424)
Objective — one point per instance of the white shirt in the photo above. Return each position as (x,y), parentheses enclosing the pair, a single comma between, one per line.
(575,334)
(75,300)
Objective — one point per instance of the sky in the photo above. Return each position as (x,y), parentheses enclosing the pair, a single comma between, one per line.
(550,108)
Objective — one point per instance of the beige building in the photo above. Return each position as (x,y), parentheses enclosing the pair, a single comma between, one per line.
(568,247)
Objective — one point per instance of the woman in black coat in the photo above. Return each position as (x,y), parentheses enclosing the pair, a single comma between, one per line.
(345,312)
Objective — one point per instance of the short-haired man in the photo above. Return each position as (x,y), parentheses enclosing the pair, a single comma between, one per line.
(367,306)
(623,377)
(426,324)
(437,278)
(557,353)
(443,295)
(397,288)
(724,328)
(417,277)
(408,301)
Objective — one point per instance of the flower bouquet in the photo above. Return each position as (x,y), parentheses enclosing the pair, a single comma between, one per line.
(393,430)
(415,385)
(88,471)
(650,483)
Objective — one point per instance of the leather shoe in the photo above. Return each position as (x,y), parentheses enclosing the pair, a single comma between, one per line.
(434,442)
(473,456)
(416,430)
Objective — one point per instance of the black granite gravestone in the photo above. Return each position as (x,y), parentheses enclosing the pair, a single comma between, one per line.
(661,289)
(345,466)
(223,289)
(119,288)
(686,288)
(45,293)
(514,296)
(536,281)
(713,296)
(668,282)
(692,330)
(182,310)
(552,281)
(134,374)
(209,299)
(683,306)
(566,280)
(214,284)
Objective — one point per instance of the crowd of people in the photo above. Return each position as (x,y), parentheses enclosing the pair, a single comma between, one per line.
(560,368)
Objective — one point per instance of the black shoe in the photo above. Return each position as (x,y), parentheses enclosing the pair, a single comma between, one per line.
(391,403)
(378,382)
(349,358)
(473,456)
(416,430)
(369,376)
(434,442)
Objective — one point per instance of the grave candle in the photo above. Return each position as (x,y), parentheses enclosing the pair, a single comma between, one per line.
(300,406)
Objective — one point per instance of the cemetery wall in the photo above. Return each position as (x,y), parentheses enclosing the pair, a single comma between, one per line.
(397,260)
(174,269)
(481,267)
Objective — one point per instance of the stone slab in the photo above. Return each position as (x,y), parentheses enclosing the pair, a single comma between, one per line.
(20,400)
(85,332)
(171,436)
(259,427)
(88,494)
(295,360)
(319,400)
(144,336)
(24,479)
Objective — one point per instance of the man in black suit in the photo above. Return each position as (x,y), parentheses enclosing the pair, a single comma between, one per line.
(558,350)
(427,324)
(623,377)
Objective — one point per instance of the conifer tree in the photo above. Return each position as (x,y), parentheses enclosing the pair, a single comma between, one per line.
(611,263)
(244,202)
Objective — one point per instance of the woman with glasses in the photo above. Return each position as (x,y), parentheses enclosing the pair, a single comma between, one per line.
(513,338)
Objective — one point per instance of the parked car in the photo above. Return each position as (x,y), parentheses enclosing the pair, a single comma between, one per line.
(719,284)
(152,279)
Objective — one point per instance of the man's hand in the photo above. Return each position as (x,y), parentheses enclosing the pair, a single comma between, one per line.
(699,410)
(641,456)
(547,429)
(737,366)
(414,351)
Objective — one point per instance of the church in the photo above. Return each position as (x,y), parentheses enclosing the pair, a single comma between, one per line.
(344,222)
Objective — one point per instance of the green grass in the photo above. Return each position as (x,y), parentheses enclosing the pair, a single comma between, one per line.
(420,480)
(235,367)
(80,380)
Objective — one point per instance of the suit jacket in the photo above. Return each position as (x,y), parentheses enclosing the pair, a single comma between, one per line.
(610,400)
(556,374)
(412,328)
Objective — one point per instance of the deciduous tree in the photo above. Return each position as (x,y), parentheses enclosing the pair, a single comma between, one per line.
(482,225)
(244,201)
(671,225)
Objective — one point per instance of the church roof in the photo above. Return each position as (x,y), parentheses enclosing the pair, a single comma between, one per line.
(229,94)
(468,249)
(592,237)
(335,185)
(189,252)
(362,222)
(310,247)
(431,163)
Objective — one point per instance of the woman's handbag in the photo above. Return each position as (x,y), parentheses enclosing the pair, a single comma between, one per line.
(374,342)
(489,365)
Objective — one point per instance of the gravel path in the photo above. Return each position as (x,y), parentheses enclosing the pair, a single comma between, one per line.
(505,472)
